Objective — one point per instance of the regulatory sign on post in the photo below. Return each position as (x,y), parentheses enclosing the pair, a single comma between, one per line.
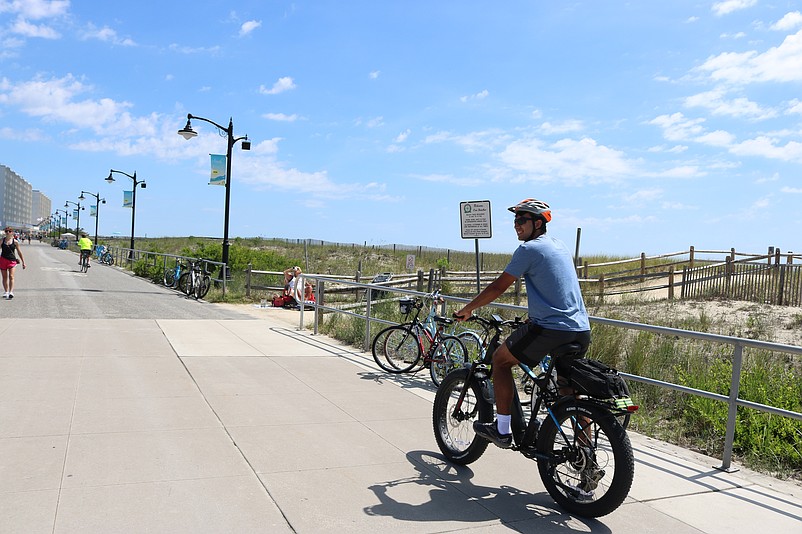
(475,219)
(410,262)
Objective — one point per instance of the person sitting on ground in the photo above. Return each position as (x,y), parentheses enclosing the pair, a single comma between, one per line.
(289,279)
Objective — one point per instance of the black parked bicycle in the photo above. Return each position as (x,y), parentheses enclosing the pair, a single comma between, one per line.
(196,281)
(583,453)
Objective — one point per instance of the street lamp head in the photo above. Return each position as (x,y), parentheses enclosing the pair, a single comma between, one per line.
(110,179)
(246,145)
(103,200)
(143,185)
(82,197)
(187,132)
(66,205)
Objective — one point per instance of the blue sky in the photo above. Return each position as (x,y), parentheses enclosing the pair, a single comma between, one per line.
(650,125)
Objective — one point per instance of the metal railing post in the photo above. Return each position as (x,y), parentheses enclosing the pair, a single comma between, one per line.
(368,298)
(732,408)
(318,289)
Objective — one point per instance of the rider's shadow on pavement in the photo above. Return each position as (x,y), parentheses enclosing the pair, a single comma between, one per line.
(454,498)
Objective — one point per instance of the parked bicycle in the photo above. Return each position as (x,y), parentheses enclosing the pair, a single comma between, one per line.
(583,453)
(195,281)
(104,255)
(171,276)
(417,345)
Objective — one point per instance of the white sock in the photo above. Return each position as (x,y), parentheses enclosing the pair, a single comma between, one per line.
(503,424)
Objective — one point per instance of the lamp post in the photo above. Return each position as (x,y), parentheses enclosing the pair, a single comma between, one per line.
(77,219)
(188,133)
(97,208)
(140,183)
(58,213)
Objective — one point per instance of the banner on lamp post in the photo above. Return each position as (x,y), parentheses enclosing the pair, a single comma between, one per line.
(75,214)
(128,199)
(218,176)
(93,211)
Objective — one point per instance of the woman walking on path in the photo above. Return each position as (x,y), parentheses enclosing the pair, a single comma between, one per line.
(8,260)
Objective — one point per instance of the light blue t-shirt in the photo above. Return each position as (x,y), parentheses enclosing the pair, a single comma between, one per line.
(552,287)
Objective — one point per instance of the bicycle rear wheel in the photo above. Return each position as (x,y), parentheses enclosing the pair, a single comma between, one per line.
(593,464)
(473,345)
(450,354)
(396,349)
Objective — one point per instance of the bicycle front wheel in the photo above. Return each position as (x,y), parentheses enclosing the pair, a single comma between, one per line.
(453,421)
(450,354)
(592,465)
(203,286)
(185,283)
(396,349)
(169,278)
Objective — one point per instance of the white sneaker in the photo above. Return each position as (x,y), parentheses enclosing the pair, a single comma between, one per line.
(5,295)
(10,295)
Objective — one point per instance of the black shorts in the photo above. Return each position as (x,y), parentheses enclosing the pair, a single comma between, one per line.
(530,343)
(86,252)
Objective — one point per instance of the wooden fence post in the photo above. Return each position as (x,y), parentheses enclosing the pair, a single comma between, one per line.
(642,265)
(691,259)
(671,283)
(431,281)
(420,280)
(248,280)
(601,286)
(684,280)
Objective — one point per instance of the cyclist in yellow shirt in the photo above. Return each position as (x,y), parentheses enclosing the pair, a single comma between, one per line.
(85,244)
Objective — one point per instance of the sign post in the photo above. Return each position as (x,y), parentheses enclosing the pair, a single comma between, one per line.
(475,224)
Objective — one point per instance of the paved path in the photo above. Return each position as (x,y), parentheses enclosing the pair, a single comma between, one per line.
(245,424)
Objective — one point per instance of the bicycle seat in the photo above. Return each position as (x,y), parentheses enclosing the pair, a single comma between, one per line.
(563,350)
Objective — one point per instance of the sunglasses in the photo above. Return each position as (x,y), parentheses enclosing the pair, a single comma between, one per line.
(520,221)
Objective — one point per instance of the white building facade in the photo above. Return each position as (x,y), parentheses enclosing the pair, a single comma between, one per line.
(15,200)
(40,207)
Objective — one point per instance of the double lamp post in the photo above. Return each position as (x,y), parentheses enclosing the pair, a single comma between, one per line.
(188,133)
(97,208)
(140,183)
(78,218)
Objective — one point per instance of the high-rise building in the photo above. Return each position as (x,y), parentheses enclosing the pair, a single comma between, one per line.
(40,207)
(15,200)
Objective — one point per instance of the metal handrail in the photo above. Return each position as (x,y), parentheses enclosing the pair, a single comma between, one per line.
(738,344)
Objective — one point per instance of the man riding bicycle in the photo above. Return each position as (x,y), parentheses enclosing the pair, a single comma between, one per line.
(85,244)
(556,310)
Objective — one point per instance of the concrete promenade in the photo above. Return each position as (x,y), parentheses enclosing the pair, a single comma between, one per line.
(249,425)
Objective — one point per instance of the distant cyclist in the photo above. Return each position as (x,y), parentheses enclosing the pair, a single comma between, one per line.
(85,244)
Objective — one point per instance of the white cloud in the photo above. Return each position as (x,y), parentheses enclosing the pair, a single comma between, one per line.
(35,9)
(740,107)
(676,127)
(781,63)
(403,136)
(248,27)
(729,6)
(562,127)
(57,99)
(105,34)
(472,141)
(26,29)
(795,106)
(282,84)
(576,161)
(449,179)
(281,117)
(767,147)
(788,22)
(374,74)
(793,190)
(481,95)
(193,50)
